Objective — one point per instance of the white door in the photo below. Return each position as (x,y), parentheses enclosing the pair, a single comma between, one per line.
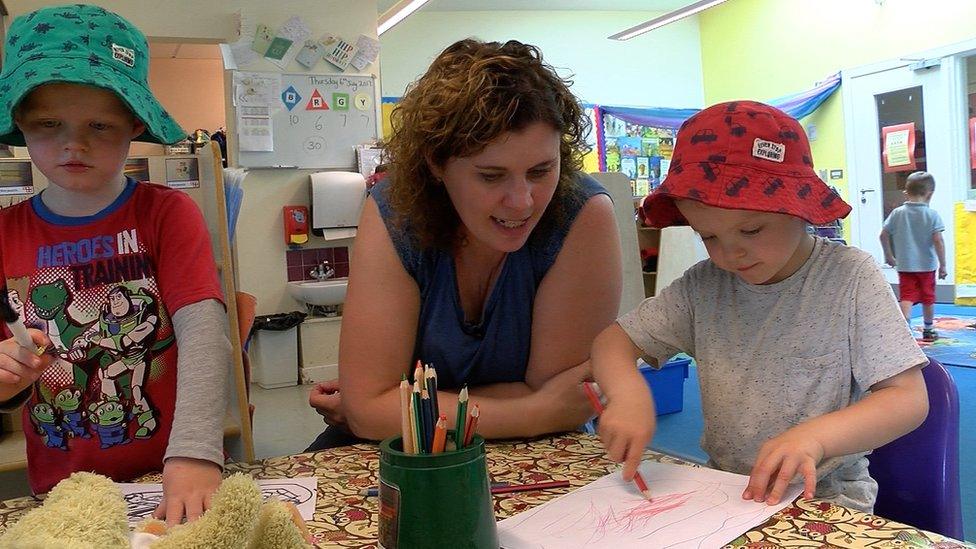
(876,99)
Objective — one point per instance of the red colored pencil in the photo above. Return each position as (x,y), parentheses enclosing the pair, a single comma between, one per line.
(471,424)
(598,406)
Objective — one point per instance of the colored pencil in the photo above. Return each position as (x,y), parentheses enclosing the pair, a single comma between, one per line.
(462,414)
(499,487)
(472,424)
(440,435)
(529,487)
(598,406)
(417,418)
(430,378)
(405,433)
(429,420)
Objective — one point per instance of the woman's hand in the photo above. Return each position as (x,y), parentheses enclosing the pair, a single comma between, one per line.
(780,459)
(327,401)
(561,397)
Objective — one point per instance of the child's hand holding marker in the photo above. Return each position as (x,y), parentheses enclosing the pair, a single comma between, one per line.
(22,357)
(626,429)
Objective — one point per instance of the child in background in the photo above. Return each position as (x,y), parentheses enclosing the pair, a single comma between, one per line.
(912,241)
(118,273)
(789,331)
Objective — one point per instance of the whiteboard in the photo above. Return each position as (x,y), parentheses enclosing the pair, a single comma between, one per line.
(317,120)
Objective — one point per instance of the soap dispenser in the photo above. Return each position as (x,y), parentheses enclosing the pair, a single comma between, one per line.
(296,225)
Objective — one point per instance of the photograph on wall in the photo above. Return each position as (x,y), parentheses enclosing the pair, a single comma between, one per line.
(137,168)
(182,173)
(16,178)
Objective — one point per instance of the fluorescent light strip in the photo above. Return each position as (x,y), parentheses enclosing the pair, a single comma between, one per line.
(667,18)
(397,13)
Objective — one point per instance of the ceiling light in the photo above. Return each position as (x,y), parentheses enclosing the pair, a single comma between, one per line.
(670,17)
(397,13)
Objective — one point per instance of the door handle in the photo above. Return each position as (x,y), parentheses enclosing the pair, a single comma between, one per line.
(864,199)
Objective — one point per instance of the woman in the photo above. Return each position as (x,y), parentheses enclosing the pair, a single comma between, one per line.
(485,253)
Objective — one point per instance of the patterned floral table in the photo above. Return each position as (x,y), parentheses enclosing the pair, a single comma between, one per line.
(346,518)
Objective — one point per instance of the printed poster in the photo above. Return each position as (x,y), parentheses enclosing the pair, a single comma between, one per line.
(16,178)
(898,148)
(183,173)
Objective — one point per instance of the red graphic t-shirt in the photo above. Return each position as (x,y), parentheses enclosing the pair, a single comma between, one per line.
(104,288)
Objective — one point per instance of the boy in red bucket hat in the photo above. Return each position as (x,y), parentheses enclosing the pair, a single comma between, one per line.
(789,330)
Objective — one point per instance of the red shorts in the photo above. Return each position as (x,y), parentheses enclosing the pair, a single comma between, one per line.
(917,287)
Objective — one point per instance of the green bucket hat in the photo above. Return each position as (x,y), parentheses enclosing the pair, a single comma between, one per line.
(80,44)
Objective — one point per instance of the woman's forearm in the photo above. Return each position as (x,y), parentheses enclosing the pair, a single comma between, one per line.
(507,410)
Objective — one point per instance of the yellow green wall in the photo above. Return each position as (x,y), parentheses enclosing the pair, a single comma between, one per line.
(763,49)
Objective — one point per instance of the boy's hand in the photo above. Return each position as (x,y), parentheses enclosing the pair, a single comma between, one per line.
(20,367)
(890,260)
(626,427)
(780,459)
(942,273)
(188,484)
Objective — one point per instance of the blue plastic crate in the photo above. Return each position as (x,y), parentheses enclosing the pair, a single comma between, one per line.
(667,384)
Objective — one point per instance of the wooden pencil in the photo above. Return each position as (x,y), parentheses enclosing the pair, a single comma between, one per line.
(460,418)
(417,421)
(472,424)
(430,378)
(405,432)
(440,435)
(598,407)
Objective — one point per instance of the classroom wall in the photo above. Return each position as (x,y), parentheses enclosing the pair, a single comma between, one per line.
(260,245)
(663,69)
(193,88)
(762,49)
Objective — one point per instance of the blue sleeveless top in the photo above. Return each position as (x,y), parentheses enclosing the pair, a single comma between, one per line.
(497,349)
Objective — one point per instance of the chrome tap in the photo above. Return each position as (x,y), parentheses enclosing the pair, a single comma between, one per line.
(322,271)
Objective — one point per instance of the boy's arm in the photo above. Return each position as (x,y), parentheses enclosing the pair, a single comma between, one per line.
(886,246)
(627,424)
(939,245)
(203,370)
(194,456)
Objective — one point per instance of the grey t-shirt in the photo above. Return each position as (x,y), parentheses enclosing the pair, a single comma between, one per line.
(911,227)
(773,356)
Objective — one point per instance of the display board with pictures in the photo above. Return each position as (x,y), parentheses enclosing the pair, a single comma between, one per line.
(642,153)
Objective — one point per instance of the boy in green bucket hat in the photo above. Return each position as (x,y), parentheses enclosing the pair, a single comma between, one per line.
(113,274)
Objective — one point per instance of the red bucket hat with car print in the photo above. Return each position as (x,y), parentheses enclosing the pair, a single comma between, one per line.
(743,155)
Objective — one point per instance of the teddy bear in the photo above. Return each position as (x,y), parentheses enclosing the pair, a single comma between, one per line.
(87,510)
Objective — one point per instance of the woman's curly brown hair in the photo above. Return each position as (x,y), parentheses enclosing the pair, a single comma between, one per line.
(471,94)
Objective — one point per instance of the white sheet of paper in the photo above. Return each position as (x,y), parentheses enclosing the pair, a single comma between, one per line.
(693,507)
(142,499)
(255,131)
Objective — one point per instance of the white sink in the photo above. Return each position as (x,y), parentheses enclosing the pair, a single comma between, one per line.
(331,291)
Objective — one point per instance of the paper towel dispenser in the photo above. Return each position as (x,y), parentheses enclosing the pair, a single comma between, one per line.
(337,199)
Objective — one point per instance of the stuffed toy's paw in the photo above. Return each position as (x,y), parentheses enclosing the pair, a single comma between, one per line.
(83,511)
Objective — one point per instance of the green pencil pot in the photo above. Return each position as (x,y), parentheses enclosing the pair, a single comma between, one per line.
(439,501)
